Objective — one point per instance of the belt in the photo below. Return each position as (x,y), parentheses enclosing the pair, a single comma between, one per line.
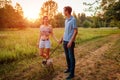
(68,42)
(44,39)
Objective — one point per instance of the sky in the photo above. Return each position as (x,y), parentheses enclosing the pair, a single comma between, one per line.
(31,8)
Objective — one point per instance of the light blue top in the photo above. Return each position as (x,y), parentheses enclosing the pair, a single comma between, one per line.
(70,25)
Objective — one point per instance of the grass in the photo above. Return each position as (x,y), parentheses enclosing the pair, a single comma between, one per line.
(15,45)
(114,52)
(18,60)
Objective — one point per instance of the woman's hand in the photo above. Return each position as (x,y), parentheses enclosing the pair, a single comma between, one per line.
(60,42)
(57,41)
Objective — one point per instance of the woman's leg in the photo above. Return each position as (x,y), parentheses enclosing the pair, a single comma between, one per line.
(42,52)
(47,53)
(47,46)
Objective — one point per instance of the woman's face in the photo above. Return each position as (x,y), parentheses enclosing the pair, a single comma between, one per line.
(45,20)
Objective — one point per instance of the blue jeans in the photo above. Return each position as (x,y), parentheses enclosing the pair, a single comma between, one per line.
(70,58)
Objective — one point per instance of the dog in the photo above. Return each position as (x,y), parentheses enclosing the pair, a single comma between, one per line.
(48,64)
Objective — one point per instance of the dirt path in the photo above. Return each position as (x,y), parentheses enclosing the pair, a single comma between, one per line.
(88,62)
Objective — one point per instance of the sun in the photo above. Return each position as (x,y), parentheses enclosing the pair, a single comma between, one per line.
(31,15)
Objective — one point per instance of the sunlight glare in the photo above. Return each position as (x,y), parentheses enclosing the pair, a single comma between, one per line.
(31,15)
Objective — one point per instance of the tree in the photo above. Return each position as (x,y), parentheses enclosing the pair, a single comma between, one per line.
(74,14)
(18,9)
(76,17)
(49,8)
(86,24)
(96,22)
(59,20)
(109,10)
(6,16)
(4,2)
(79,20)
(92,6)
(82,17)
(9,18)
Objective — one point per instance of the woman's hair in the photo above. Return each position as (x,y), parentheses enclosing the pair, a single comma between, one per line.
(44,18)
(68,8)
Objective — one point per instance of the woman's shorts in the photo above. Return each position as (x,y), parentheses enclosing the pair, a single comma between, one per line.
(44,44)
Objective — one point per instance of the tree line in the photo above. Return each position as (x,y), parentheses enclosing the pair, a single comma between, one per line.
(13,17)
(106,14)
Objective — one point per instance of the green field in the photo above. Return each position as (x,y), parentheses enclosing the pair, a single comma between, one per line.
(18,50)
(18,44)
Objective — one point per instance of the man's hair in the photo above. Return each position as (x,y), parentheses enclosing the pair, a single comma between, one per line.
(68,8)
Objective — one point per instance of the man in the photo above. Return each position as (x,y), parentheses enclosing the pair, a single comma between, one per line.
(68,41)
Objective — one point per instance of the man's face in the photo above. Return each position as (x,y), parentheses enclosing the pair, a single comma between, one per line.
(65,12)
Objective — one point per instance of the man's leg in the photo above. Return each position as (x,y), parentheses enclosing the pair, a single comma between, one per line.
(67,55)
(72,60)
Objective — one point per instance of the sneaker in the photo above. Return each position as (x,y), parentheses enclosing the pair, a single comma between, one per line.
(66,71)
(44,62)
(70,77)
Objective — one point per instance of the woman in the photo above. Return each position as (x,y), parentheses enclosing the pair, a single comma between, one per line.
(44,42)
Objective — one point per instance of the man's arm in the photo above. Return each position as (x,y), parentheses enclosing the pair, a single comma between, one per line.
(74,33)
(73,37)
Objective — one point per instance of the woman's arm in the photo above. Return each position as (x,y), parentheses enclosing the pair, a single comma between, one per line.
(61,40)
(39,39)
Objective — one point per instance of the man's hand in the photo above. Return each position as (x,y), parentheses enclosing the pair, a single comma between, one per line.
(69,44)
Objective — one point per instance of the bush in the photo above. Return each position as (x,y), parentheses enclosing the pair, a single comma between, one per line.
(115,23)
(86,24)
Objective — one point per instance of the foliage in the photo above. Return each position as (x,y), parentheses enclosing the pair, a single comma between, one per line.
(4,2)
(58,20)
(11,18)
(86,24)
(112,12)
(92,6)
(49,8)
(114,23)
(107,13)
(18,9)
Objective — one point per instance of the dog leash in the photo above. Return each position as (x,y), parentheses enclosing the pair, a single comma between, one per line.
(54,49)
(44,62)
